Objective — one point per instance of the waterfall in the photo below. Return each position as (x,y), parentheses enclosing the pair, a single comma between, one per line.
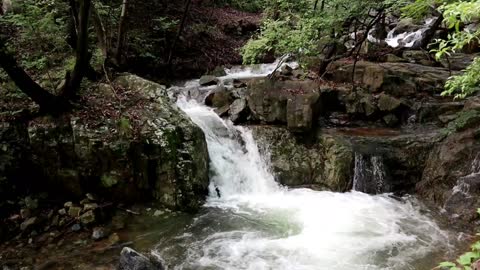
(251,222)
(370,174)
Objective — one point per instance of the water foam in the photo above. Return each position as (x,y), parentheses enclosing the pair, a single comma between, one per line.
(251,222)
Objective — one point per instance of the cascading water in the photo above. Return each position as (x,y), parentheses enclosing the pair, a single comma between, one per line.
(251,222)
(370,174)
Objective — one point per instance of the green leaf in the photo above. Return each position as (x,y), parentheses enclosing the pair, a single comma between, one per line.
(446,264)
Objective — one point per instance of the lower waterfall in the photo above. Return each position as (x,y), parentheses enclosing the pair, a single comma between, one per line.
(251,222)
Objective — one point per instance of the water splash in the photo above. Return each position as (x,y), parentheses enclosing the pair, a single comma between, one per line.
(251,222)
(370,174)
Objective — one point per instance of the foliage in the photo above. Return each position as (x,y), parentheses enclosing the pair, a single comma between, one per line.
(421,8)
(465,261)
(456,14)
(466,84)
(302,26)
(42,32)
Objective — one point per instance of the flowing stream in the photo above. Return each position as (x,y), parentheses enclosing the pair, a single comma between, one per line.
(251,222)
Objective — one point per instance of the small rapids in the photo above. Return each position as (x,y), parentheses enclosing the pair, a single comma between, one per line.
(251,222)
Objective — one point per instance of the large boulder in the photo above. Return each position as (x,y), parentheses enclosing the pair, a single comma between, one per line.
(396,79)
(448,162)
(324,164)
(301,112)
(295,103)
(458,61)
(327,160)
(150,151)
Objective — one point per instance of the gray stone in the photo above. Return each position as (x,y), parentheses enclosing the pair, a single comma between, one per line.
(325,164)
(391,120)
(218,98)
(458,61)
(388,103)
(76,227)
(208,80)
(154,151)
(158,213)
(132,260)
(99,233)
(301,112)
(90,206)
(74,211)
(87,218)
(238,111)
(28,224)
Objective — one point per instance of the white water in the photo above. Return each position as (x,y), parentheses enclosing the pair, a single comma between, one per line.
(256,224)
(408,39)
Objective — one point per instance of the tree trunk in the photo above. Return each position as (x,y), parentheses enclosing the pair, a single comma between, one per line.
(179,33)
(100,31)
(46,100)
(122,33)
(74,78)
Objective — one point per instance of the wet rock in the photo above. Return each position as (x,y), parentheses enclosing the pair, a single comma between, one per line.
(238,111)
(301,111)
(28,224)
(450,161)
(68,205)
(222,111)
(76,228)
(132,260)
(325,164)
(90,206)
(286,70)
(267,100)
(160,156)
(298,74)
(87,218)
(62,212)
(391,120)
(388,103)
(158,213)
(393,58)
(218,72)
(395,79)
(74,211)
(208,80)
(418,57)
(458,61)
(99,233)
(219,98)
(239,83)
